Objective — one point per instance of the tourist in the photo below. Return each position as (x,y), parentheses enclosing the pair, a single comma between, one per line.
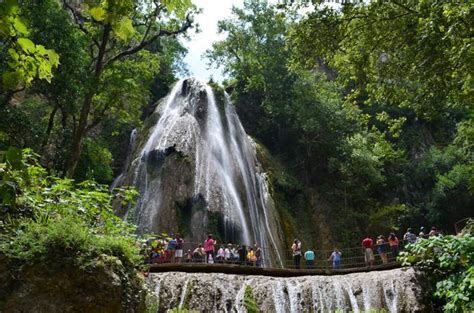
(170,250)
(209,244)
(158,252)
(382,248)
(423,234)
(220,255)
(335,257)
(258,255)
(309,257)
(409,236)
(189,256)
(234,254)
(368,243)
(228,253)
(251,258)
(296,249)
(198,254)
(393,243)
(179,248)
(434,232)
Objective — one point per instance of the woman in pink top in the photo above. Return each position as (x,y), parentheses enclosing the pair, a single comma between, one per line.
(209,247)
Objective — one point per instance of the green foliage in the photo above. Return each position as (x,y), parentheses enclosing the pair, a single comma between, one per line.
(95,163)
(450,261)
(414,55)
(10,159)
(365,105)
(24,60)
(249,301)
(66,221)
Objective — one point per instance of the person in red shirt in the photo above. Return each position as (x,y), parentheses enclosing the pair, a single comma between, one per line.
(368,244)
(209,248)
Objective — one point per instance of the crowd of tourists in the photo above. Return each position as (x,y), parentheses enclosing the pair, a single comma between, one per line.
(310,256)
(171,250)
(384,247)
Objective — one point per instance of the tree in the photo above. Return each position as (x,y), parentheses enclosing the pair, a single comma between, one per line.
(407,67)
(118,31)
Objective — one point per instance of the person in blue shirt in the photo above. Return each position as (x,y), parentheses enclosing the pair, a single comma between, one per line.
(335,258)
(309,257)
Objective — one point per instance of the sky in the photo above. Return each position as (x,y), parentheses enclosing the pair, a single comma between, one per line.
(212,11)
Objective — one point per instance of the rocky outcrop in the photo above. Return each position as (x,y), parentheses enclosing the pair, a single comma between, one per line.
(395,290)
(52,287)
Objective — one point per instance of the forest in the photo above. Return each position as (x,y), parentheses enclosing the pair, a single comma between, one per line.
(368,107)
(365,110)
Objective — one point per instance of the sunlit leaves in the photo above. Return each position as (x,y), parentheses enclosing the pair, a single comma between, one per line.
(180,7)
(11,23)
(117,13)
(27,60)
(98,13)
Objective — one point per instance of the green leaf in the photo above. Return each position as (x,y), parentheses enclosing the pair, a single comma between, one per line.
(98,13)
(20,26)
(27,45)
(124,28)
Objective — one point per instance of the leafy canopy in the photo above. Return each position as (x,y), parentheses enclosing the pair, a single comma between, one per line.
(24,60)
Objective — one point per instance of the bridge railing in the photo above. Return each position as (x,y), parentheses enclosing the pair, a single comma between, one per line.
(352,257)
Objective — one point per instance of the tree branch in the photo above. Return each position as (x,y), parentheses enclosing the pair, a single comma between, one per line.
(144,43)
(405,7)
(78,19)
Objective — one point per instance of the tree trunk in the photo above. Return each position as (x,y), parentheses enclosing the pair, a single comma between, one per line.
(50,126)
(81,131)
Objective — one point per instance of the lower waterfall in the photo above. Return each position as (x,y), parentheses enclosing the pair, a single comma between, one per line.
(395,290)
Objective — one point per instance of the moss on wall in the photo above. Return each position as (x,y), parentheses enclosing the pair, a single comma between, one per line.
(250,303)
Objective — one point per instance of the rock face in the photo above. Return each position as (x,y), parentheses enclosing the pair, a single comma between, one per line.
(51,288)
(393,290)
(197,172)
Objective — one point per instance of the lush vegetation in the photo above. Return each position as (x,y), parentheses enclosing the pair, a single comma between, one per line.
(47,218)
(369,106)
(449,260)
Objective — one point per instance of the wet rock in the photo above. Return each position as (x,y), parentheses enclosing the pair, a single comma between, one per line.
(395,290)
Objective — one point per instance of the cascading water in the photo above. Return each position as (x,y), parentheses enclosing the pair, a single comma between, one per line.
(197,171)
(387,291)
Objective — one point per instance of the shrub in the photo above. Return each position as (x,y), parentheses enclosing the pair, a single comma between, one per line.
(450,262)
(65,221)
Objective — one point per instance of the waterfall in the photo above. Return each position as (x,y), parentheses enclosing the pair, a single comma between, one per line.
(390,291)
(197,170)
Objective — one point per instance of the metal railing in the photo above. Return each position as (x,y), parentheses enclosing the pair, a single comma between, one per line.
(353,257)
